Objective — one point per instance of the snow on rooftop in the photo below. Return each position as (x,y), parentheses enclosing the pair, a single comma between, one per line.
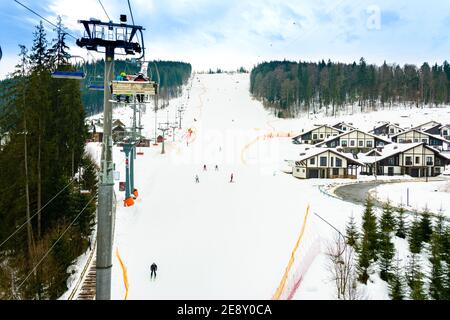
(388,151)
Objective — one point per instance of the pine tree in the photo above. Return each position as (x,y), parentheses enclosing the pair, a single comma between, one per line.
(59,51)
(401,224)
(446,251)
(436,290)
(415,279)
(39,57)
(396,288)
(352,233)
(425,226)
(386,254)
(369,228)
(363,261)
(415,237)
(387,223)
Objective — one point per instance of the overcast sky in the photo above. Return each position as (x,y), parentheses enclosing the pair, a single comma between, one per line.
(233,33)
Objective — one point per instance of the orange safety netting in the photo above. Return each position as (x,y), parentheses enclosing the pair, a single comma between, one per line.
(267,136)
(124,274)
(282,284)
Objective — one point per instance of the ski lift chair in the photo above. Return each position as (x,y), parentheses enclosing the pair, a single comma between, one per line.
(68,74)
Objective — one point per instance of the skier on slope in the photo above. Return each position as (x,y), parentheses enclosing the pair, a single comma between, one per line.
(197,180)
(217,167)
(204,167)
(153,269)
(231,178)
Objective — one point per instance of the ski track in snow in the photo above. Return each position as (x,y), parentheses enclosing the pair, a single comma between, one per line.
(221,240)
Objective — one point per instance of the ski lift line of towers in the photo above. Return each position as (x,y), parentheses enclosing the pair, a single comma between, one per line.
(117,36)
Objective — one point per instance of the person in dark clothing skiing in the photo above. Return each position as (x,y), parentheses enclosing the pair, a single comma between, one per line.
(204,167)
(231,178)
(197,180)
(217,167)
(153,269)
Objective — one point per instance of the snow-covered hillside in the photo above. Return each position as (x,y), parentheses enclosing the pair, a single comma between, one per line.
(222,240)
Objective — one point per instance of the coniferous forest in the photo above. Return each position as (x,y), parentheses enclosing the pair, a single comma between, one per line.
(46,219)
(292,88)
(425,274)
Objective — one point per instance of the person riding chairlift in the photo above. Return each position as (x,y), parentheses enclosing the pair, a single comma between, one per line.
(140,78)
(123,77)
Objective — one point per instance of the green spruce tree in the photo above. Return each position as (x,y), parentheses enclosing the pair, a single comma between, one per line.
(415,279)
(401,223)
(369,228)
(425,226)
(387,223)
(352,233)
(396,286)
(415,236)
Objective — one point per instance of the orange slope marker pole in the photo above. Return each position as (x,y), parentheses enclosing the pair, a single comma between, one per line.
(282,284)
(124,274)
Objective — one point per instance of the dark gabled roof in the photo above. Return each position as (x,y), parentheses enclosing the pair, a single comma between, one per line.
(345,133)
(309,131)
(424,124)
(422,132)
(395,149)
(385,125)
(319,151)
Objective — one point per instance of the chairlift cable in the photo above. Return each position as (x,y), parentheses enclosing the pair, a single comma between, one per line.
(104,10)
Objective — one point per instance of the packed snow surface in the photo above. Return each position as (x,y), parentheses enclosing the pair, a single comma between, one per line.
(222,240)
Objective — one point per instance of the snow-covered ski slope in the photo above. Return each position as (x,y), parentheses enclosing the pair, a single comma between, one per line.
(215,239)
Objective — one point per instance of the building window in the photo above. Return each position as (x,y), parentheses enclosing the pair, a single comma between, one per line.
(369,144)
(425,140)
(416,140)
(352,143)
(332,162)
(445,133)
(338,163)
(417,160)
(321,136)
(361,143)
(344,143)
(401,140)
(391,161)
(409,161)
(323,161)
(312,161)
(335,172)
(315,136)
(392,131)
(429,161)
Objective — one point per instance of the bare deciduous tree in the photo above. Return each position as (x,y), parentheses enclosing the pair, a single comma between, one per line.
(342,269)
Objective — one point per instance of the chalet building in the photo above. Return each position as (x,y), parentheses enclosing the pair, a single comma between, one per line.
(427,126)
(416,136)
(95,132)
(117,122)
(316,135)
(387,129)
(118,132)
(355,142)
(445,131)
(321,163)
(344,127)
(413,159)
